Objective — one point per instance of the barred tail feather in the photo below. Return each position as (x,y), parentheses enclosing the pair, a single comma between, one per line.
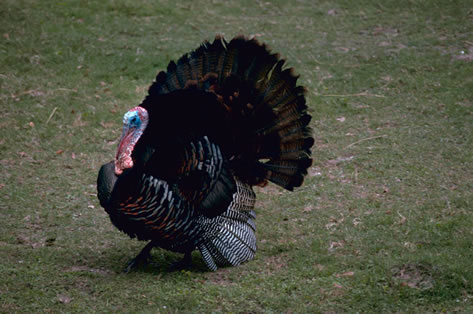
(230,238)
(234,244)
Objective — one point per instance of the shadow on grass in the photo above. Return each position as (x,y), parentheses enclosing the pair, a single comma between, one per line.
(114,261)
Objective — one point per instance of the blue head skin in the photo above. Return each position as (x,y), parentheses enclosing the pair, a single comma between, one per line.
(132,119)
(134,124)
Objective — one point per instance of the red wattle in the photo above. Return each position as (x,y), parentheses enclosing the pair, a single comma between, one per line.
(123,158)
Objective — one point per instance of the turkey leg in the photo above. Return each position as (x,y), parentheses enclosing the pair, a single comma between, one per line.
(141,258)
(185,263)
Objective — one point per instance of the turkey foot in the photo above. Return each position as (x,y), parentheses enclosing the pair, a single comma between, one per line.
(141,259)
(185,263)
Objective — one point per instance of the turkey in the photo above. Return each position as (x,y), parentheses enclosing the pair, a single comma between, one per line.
(224,118)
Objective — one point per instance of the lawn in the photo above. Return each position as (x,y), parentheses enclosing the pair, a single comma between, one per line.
(383,222)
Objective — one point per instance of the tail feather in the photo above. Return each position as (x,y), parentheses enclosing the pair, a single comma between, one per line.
(287,126)
(215,56)
(197,62)
(287,173)
(183,71)
(296,149)
(279,82)
(232,249)
(207,257)
(261,96)
(234,244)
(230,239)
(229,64)
(283,180)
(212,255)
(287,167)
(264,63)
(293,131)
(173,81)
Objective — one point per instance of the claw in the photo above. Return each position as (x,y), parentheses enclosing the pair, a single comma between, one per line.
(141,259)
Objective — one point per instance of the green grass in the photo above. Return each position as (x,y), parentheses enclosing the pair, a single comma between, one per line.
(382,224)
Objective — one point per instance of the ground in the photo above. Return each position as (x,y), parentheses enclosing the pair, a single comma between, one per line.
(383,222)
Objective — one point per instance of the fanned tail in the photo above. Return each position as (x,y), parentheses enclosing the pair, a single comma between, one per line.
(272,139)
(229,239)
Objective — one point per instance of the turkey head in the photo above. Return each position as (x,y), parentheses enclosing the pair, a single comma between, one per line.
(134,124)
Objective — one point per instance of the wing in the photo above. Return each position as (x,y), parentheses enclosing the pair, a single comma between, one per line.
(197,171)
(204,178)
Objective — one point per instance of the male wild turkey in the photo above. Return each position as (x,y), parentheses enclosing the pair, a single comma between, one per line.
(222,119)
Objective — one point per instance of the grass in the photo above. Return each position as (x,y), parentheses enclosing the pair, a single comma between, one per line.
(382,224)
